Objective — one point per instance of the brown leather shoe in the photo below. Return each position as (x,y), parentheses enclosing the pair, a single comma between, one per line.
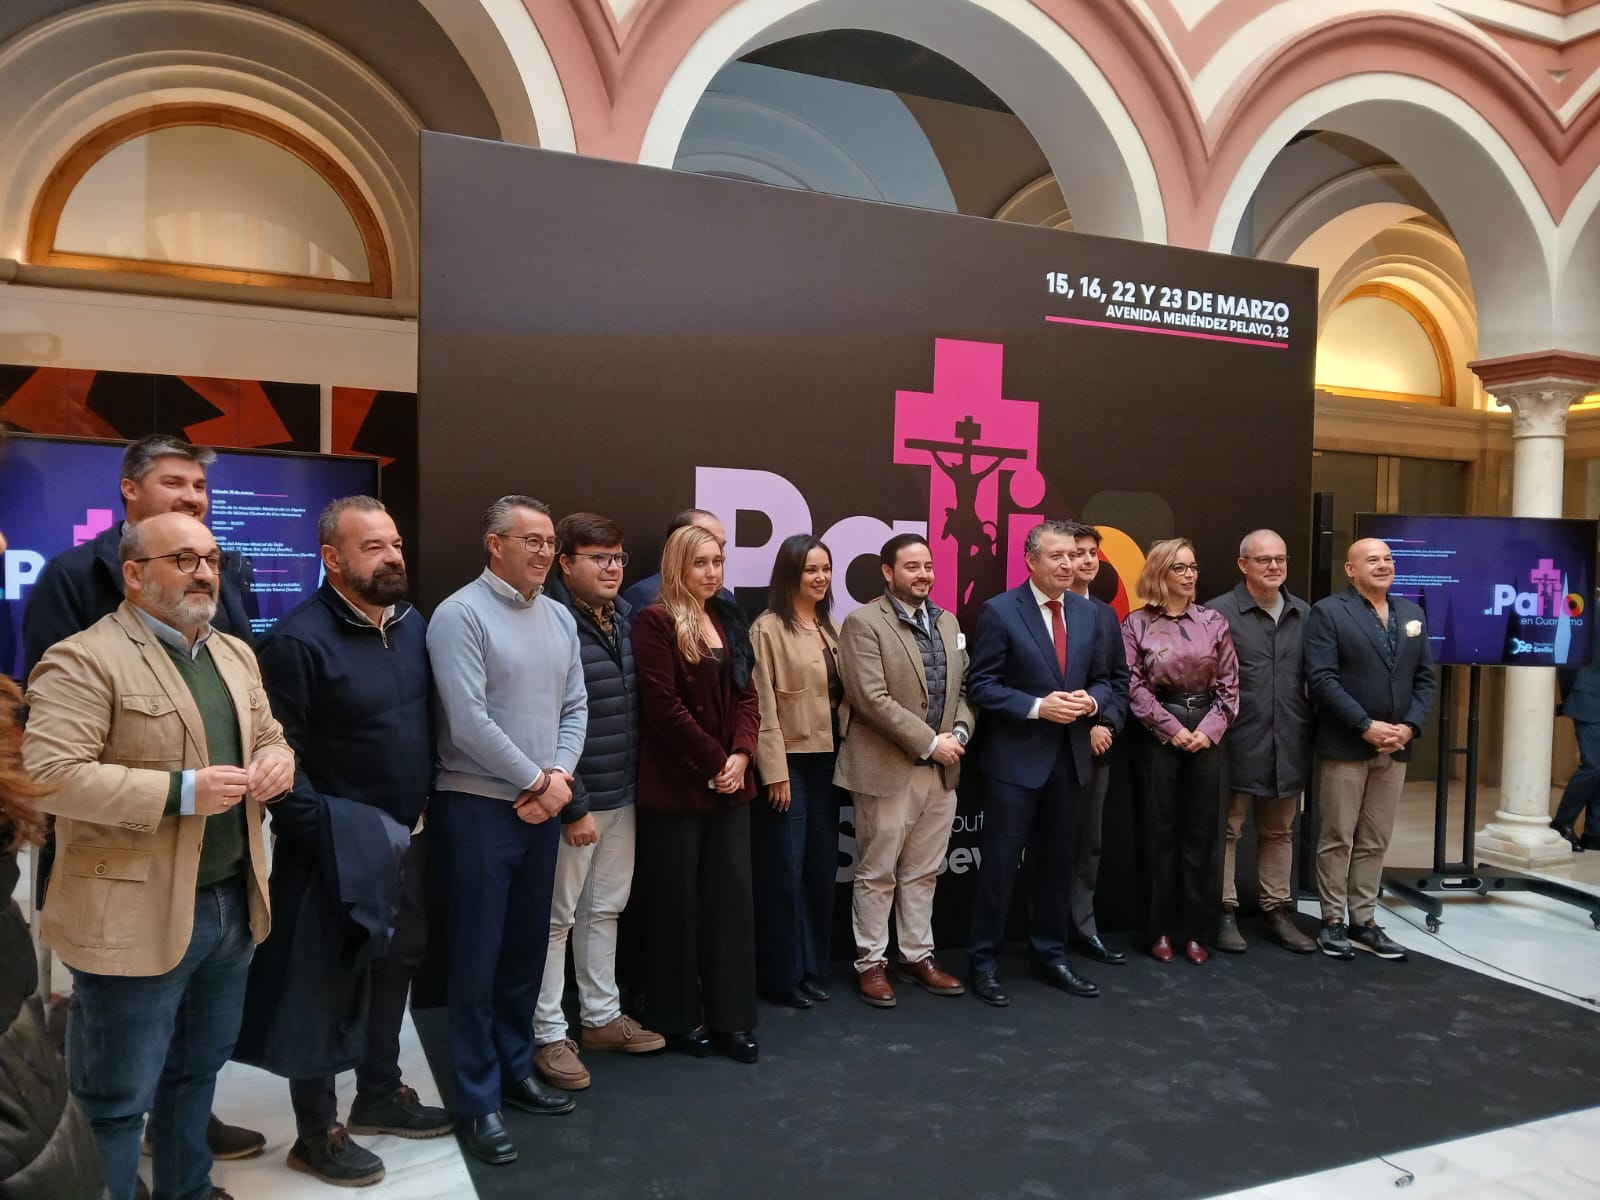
(873,986)
(1161,949)
(1281,928)
(558,1064)
(1195,953)
(622,1034)
(927,974)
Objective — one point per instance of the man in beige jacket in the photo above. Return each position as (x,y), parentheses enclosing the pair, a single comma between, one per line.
(155,733)
(904,666)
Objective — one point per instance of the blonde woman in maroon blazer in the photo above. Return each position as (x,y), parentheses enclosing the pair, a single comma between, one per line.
(692,871)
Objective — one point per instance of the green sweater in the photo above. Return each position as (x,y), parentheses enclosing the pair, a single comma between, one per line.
(222,852)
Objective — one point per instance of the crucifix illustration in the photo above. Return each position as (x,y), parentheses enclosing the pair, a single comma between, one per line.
(976,539)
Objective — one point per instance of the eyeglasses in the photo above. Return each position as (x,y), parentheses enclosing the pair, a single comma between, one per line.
(188,561)
(606,561)
(1269,560)
(1185,568)
(534,543)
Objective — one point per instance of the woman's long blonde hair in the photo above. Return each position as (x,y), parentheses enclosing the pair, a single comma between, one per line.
(678,553)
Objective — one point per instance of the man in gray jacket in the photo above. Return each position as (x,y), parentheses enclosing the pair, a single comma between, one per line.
(1269,746)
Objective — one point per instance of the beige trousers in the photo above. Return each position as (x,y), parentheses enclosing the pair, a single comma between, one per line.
(900,842)
(1359,801)
(1274,847)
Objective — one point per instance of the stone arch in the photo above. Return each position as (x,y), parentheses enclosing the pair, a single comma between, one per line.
(1577,302)
(1465,166)
(502,46)
(67,77)
(1044,75)
(771,127)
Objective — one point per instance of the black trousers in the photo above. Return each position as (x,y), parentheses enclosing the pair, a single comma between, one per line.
(316,1105)
(692,884)
(1044,821)
(1178,810)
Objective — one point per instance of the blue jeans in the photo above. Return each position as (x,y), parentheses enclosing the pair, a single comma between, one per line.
(154,1043)
(795,860)
(1583,789)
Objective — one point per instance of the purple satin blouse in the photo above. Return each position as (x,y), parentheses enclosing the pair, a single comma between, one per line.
(1187,655)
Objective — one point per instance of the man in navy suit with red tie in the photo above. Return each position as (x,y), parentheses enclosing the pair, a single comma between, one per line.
(1040,670)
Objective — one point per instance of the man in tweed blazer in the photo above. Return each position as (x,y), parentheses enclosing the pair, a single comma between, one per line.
(903,662)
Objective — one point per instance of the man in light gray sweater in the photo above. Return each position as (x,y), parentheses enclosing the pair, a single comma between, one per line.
(512,712)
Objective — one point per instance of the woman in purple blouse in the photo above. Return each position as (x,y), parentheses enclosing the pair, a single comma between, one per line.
(1184,690)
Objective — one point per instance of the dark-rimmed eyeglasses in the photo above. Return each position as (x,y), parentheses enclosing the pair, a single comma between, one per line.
(606,561)
(534,543)
(188,561)
(1268,560)
(1186,568)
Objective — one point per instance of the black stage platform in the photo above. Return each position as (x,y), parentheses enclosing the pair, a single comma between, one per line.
(1178,1081)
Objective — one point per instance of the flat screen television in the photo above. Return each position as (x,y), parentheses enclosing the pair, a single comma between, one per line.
(1498,591)
(58,492)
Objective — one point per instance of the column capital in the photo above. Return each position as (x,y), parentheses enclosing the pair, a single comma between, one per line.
(1539,388)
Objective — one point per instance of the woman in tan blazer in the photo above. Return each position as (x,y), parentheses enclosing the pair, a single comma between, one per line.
(795,829)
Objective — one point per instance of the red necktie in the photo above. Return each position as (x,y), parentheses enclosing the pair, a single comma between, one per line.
(1058,630)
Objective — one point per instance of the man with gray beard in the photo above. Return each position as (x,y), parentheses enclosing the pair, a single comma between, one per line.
(152,730)
(347,672)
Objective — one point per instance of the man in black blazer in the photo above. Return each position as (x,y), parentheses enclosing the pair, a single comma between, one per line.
(1041,670)
(1371,678)
(1580,692)
(160,474)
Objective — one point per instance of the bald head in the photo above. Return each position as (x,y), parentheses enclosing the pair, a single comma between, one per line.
(1370,567)
(153,554)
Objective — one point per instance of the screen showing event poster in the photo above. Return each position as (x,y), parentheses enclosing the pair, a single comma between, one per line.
(634,341)
(1511,591)
(56,493)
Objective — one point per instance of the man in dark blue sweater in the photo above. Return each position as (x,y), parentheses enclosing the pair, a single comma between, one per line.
(348,676)
(594,865)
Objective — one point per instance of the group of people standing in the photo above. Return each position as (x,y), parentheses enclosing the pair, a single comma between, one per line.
(548,750)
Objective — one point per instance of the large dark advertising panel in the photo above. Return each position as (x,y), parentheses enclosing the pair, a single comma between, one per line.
(635,341)
(56,493)
(1499,591)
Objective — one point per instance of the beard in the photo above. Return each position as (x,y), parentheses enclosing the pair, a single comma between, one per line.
(189,607)
(385,586)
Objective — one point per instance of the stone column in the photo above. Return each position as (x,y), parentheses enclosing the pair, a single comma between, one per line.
(1538,389)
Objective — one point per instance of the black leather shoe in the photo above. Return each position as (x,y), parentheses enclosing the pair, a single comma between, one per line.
(1093,947)
(986,987)
(696,1043)
(1059,975)
(531,1096)
(486,1139)
(1570,836)
(226,1141)
(794,999)
(812,990)
(739,1046)
(1589,841)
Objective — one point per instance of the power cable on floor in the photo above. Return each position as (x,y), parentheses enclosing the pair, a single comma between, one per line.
(1404,1179)
(1589,1000)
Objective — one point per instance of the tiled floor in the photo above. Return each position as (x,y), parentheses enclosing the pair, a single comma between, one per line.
(1552,946)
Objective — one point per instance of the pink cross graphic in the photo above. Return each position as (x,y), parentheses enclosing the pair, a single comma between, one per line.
(95,522)
(1547,582)
(966,408)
